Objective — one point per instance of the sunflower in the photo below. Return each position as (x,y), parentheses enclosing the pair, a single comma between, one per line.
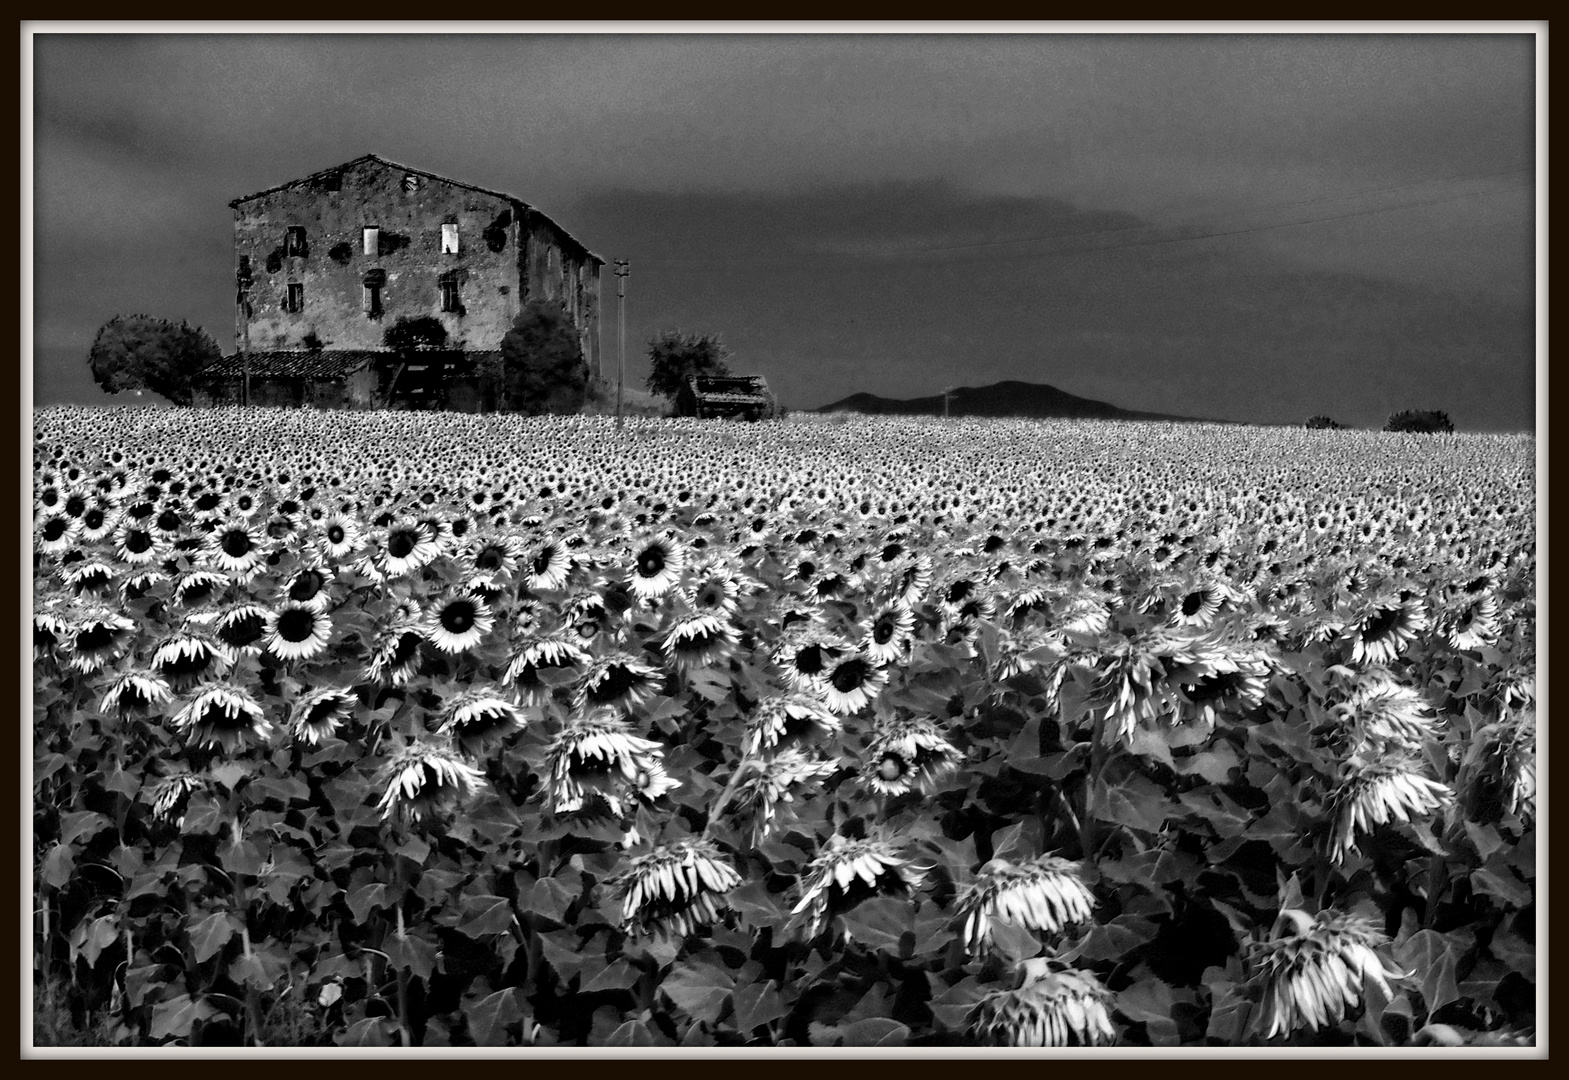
(321,712)
(1386,716)
(98,520)
(90,576)
(656,567)
(297,632)
(223,715)
(236,548)
(407,548)
(187,656)
(1474,624)
(423,779)
(134,693)
(778,779)
(395,655)
(339,536)
(715,591)
(97,638)
(1385,627)
(698,641)
(136,585)
(547,565)
(1498,774)
(55,532)
(1196,603)
(537,655)
(675,889)
(1313,969)
(496,555)
(51,633)
(781,721)
(135,544)
(308,586)
(1369,795)
(617,680)
(909,578)
(241,625)
(597,754)
(458,622)
(1056,1008)
(477,719)
(907,755)
(1231,682)
(888,638)
(846,872)
(1046,894)
(171,795)
(198,587)
(807,656)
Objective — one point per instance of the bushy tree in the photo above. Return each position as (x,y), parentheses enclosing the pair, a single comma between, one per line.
(1323,423)
(673,356)
(139,352)
(542,368)
(425,332)
(1427,423)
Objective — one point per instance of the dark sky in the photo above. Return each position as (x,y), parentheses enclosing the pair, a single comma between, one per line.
(1245,227)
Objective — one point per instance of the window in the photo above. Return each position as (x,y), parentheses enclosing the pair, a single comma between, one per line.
(410,182)
(333,181)
(449,294)
(372,240)
(294,240)
(372,301)
(449,238)
(294,298)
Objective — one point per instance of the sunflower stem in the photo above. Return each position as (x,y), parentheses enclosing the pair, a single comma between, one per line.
(1097,765)
(724,797)
(404,1034)
(1435,876)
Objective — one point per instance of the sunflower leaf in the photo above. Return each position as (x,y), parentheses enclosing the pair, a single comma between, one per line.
(700,990)
(490,1016)
(208,936)
(174,1019)
(757,1004)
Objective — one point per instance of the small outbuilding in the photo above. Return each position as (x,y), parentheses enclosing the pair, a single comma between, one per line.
(744,397)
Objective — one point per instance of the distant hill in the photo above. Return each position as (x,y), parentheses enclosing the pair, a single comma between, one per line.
(1036,400)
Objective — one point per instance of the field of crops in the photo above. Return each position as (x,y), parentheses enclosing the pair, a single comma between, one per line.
(421,729)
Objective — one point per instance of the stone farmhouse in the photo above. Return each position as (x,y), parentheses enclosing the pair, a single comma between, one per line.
(324,264)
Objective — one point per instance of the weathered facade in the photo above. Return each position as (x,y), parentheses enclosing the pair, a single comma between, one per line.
(326,263)
(711,396)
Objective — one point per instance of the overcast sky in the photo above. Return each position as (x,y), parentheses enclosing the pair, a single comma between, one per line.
(1246,227)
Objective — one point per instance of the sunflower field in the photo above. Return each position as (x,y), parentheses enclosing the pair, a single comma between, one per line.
(431,729)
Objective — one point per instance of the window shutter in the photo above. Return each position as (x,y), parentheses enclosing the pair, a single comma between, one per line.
(372,240)
(449,238)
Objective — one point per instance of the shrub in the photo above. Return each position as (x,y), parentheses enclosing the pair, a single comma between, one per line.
(139,352)
(673,356)
(1321,422)
(542,369)
(1427,423)
(425,332)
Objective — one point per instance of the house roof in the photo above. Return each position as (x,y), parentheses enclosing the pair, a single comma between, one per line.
(322,364)
(378,159)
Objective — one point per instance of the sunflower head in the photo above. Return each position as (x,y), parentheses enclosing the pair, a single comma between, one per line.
(1312,969)
(479,718)
(676,889)
(1052,1008)
(1047,894)
(908,755)
(424,779)
(846,872)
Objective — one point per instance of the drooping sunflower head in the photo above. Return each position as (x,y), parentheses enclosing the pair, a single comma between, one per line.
(479,718)
(676,889)
(847,872)
(1056,1008)
(321,712)
(225,716)
(907,755)
(1313,969)
(1046,894)
(424,779)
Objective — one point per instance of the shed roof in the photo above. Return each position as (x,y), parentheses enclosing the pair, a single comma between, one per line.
(378,159)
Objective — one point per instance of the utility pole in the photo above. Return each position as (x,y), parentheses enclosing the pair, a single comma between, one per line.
(623,271)
(947,392)
(242,300)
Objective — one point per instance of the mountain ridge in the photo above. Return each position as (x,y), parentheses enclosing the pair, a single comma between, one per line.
(1011,397)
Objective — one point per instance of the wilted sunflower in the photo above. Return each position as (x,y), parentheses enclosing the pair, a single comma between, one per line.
(97,638)
(888,637)
(618,680)
(1386,716)
(321,712)
(223,715)
(770,781)
(423,779)
(1385,627)
(1132,687)
(1045,894)
(188,657)
(90,576)
(1231,682)
(51,633)
(477,719)
(598,754)
(656,567)
(537,655)
(197,587)
(781,721)
(297,632)
(908,754)
(135,693)
(1369,795)
(171,795)
(676,889)
(242,625)
(699,640)
(395,655)
(846,872)
(458,622)
(1498,774)
(1313,971)
(1055,1008)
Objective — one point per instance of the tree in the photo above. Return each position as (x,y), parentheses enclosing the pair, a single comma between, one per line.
(674,356)
(542,369)
(425,332)
(1321,422)
(139,352)
(1426,423)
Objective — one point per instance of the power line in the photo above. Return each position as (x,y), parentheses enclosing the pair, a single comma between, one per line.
(914,254)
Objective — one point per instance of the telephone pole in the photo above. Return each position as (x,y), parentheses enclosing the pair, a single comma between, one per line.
(947,392)
(623,271)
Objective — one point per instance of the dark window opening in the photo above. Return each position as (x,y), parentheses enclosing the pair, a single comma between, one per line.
(449,295)
(294,298)
(372,301)
(294,240)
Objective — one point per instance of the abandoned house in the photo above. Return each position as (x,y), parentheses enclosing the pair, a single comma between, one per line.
(324,264)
